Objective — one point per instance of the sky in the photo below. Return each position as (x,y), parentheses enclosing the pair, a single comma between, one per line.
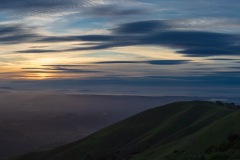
(145,47)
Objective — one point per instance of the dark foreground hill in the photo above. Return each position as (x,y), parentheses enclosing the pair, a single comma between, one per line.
(194,130)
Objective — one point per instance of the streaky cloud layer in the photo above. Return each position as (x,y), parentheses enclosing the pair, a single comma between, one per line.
(132,43)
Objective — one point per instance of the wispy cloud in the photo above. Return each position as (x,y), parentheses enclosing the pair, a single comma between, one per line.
(66,7)
(58,69)
(17,33)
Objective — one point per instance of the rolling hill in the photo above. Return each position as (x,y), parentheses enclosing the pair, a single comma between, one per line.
(195,130)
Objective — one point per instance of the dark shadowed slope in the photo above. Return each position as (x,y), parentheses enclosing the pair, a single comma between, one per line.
(33,121)
(183,130)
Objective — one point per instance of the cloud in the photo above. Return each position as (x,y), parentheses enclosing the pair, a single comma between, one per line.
(152,62)
(33,7)
(202,52)
(90,38)
(149,81)
(70,7)
(224,59)
(17,33)
(157,33)
(224,25)
(235,68)
(117,9)
(141,27)
(167,62)
(117,62)
(233,73)
(10,29)
(58,69)
(37,51)
(65,65)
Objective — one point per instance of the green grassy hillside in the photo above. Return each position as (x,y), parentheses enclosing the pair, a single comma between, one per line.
(183,130)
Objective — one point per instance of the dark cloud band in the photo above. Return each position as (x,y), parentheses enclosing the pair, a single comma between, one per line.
(152,62)
(158,33)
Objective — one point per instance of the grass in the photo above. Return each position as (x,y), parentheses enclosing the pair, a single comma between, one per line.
(182,130)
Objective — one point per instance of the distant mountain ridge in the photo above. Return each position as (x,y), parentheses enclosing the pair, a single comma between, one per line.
(195,130)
